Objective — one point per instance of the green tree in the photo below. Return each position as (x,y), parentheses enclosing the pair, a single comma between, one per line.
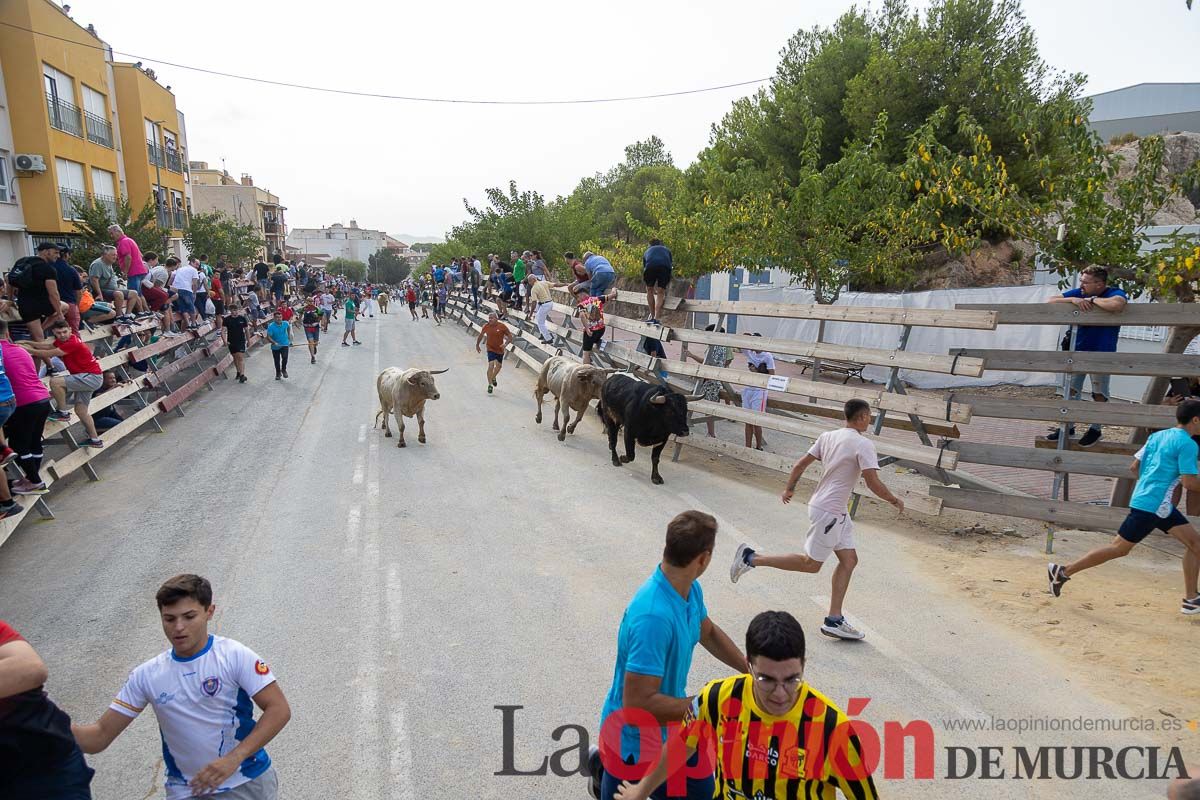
(91,225)
(386,266)
(354,270)
(217,235)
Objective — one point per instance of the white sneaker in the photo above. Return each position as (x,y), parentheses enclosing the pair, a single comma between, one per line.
(843,630)
(741,564)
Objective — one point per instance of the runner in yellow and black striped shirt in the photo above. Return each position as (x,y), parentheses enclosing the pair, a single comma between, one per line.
(780,739)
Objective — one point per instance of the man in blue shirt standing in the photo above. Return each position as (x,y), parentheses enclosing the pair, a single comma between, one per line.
(656,272)
(280,335)
(1093,292)
(662,625)
(1168,459)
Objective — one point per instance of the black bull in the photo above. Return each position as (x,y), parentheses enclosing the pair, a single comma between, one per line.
(649,414)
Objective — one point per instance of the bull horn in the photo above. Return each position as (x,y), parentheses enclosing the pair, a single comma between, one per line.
(608,370)
(438,371)
(691,397)
(659,399)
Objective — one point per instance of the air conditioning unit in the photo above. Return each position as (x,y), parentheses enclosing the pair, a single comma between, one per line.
(28,162)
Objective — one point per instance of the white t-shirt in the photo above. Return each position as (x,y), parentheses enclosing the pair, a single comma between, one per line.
(159,273)
(327,302)
(843,454)
(184,277)
(203,707)
(757,358)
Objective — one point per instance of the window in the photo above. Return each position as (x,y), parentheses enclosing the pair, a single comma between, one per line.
(151,132)
(59,85)
(169,141)
(94,103)
(71,186)
(104,190)
(60,101)
(5,195)
(95,117)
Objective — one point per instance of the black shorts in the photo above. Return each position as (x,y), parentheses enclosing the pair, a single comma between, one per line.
(497,357)
(657,275)
(591,339)
(1139,524)
(506,296)
(237,347)
(219,305)
(36,308)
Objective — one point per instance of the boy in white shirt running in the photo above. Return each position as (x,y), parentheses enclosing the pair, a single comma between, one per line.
(845,454)
(201,690)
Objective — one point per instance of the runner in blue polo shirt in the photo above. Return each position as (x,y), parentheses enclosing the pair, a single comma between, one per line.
(662,625)
(1168,459)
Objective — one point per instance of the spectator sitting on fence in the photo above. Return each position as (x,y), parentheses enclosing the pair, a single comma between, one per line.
(103,281)
(254,306)
(754,398)
(109,416)
(84,377)
(35,288)
(25,427)
(718,356)
(1093,292)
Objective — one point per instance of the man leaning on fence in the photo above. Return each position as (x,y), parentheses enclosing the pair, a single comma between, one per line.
(1093,293)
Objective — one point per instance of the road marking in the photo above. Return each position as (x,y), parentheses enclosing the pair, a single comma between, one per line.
(362,433)
(359,472)
(353,525)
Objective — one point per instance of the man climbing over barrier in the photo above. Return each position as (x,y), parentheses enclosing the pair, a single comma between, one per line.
(1168,458)
(845,455)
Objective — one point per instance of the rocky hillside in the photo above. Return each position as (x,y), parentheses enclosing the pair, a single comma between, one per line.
(1181,151)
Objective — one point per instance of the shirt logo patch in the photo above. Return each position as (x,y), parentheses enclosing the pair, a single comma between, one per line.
(261,667)
(164,698)
(210,686)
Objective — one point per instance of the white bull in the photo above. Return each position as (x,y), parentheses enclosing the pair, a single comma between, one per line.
(573,386)
(403,392)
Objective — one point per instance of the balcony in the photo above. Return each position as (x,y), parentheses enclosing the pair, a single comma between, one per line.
(178,219)
(172,219)
(67,199)
(157,157)
(108,203)
(270,226)
(174,162)
(98,129)
(64,116)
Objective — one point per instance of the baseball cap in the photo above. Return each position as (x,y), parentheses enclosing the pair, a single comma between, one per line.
(46,246)
(64,248)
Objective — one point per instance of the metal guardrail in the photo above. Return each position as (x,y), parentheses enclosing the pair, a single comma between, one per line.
(64,116)
(67,199)
(155,154)
(99,130)
(174,162)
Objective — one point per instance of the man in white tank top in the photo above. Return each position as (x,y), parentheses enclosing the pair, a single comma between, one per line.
(845,454)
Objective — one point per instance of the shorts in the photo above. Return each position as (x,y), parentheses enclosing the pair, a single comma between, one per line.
(277,292)
(238,346)
(349,324)
(98,309)
(506,296)
(156,298)
(495,356)
(1138,524)
(828,532)
(1099,385)
(7,408)
(35,308)
(327,312)
(412,305)
(264,284)
(264,787)
(219,306)
(135,282)
(185,302)
(657,275)
(312,334)
(591,339)
(81,385)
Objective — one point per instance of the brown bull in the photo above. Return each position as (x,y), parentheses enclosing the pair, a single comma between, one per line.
(573,386)
(403,392)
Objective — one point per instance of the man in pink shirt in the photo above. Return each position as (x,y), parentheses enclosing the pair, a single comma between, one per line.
(845,454)
(129,258)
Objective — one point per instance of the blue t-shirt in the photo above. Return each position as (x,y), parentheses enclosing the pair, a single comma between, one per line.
(1167,455)
(439,275)
(656,255)
(1097,338)
(597,265)
(279,334)
(658,634)
(6,390)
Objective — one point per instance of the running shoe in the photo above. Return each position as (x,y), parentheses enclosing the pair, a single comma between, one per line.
(94,443)
(10,508)
(7,456)
(1057,575)
(1090,437)
(1052,436)
(1192,606)
(59,416)
(278,377)
(595,771)
(312,360)
(842,630)
(345,345)
(241,378)
(357,342)
(489,388)
(741,562)
(285,373)
(25,487)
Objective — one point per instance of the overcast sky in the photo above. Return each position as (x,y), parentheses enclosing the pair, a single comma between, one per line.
(405,166)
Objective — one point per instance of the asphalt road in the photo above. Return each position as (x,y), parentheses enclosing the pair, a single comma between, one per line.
(400,595)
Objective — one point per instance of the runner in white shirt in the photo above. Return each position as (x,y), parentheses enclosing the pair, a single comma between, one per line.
(203,691)
(845,454)
(326,306)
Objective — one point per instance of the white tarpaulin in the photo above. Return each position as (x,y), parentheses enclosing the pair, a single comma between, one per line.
(921,340)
